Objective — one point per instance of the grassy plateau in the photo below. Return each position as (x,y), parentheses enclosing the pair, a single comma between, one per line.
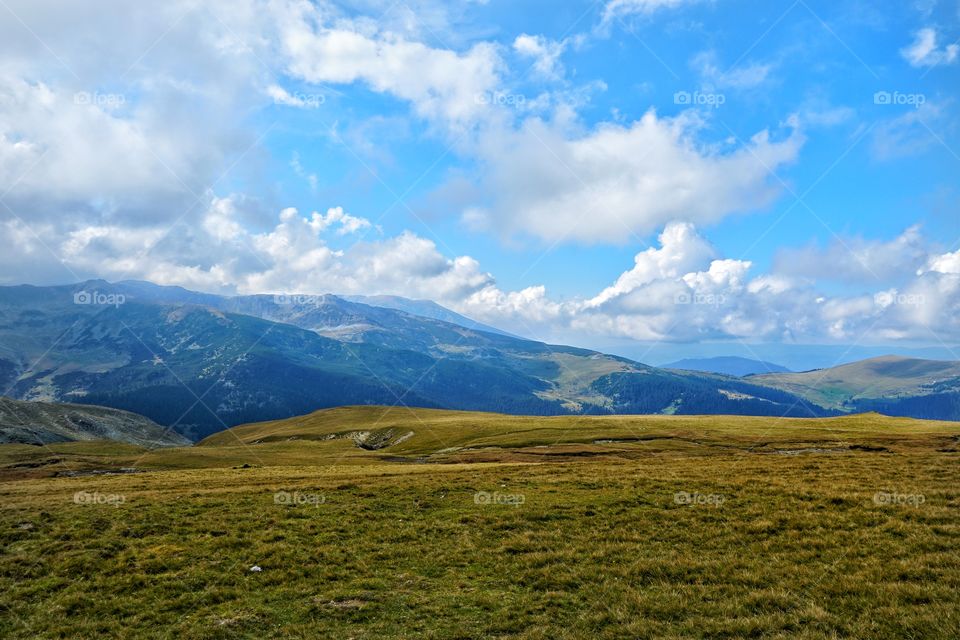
(366,522)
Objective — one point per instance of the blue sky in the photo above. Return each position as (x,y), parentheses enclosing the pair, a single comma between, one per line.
(831,68)
(826,59)
(641,174)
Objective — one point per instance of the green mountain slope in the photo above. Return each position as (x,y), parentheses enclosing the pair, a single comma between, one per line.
(43,423)
(891,384)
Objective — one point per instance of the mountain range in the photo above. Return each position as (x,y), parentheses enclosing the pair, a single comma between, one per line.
(201,363)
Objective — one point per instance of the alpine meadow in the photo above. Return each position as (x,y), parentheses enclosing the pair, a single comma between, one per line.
(475,319)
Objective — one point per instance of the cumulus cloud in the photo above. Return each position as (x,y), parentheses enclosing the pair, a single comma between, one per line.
(441,84)
(924,51)
(104,142)
(681,250)
(681,291)
(298,254)
(617,182)
(139,124)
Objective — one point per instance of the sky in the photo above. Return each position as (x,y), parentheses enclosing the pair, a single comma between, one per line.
(653,177)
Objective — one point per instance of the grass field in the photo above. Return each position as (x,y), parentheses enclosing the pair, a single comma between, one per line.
(369,523)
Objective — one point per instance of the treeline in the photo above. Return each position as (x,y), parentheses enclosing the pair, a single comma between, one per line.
(936,406)
(656,393)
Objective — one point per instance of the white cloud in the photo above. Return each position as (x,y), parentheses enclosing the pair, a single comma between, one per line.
(138,125)
(106,131)
(153,151)
(62,153)
(681,250)
(442,85)
(856,259)
(295,255)
(616,182)
(924,51)
(742,76)
(911,133)
(544,52)
(615,9)
(681,292)
(221,220)
(945,263)
(524,310)
(335,217)
(298,169)
(678,291)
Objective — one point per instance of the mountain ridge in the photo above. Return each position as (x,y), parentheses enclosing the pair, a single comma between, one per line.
(425,309)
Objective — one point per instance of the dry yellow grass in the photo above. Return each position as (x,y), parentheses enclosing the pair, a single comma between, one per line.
(825,529)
